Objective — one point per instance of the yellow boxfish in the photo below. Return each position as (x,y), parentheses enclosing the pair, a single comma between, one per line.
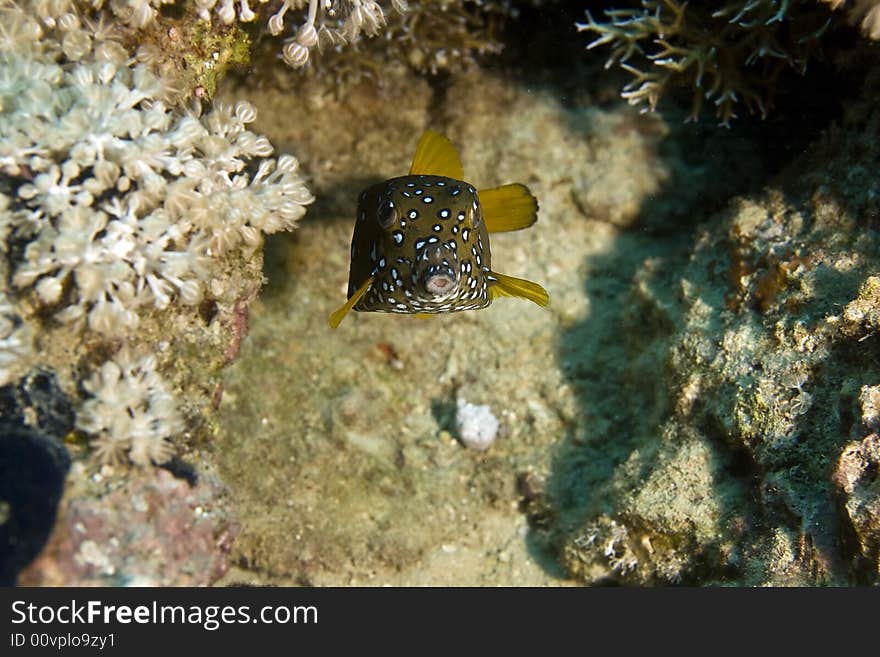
(421,241)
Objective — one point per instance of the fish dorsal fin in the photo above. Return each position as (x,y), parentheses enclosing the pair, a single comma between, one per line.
(509,286)
(436,156)
(509,207)
(342,311)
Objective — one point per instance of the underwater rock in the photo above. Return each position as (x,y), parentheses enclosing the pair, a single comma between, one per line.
(758,347)
(856,477)
(149,530)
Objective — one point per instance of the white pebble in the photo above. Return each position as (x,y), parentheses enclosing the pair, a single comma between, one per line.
(477,427)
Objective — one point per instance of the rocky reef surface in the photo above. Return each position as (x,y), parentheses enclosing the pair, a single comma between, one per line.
(700,403)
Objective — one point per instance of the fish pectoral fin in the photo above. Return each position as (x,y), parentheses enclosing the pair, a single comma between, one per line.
(436,156)
(509,286)
(423,315)
(342,311)
(509,207)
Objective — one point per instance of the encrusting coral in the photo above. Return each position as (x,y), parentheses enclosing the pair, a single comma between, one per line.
(115,203)
(729,54)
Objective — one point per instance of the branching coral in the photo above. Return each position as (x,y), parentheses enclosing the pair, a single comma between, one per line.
(131,414)
(729,54)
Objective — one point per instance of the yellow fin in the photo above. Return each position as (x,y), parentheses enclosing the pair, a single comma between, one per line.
(423,315)
(509,286)
(509,207)
(436,156)
(341,312)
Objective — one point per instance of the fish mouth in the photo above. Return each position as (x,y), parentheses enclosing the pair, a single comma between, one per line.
(439,282)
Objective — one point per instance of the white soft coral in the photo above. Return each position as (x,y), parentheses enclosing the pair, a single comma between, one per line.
(128,201)
(131,414)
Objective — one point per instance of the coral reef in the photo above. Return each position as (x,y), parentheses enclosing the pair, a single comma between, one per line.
(146,530)
(729,55)
(16,342)
(131,412)
(376,405)
(175,191)
(328,24)
(763,340)
(117,206)
(699,405)
(428,36)
(132,218)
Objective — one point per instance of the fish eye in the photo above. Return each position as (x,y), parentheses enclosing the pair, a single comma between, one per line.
(387,214)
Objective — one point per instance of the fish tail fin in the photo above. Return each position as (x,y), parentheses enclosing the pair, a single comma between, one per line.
(510,286)
(436,156)
(509,207)
(342,311)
